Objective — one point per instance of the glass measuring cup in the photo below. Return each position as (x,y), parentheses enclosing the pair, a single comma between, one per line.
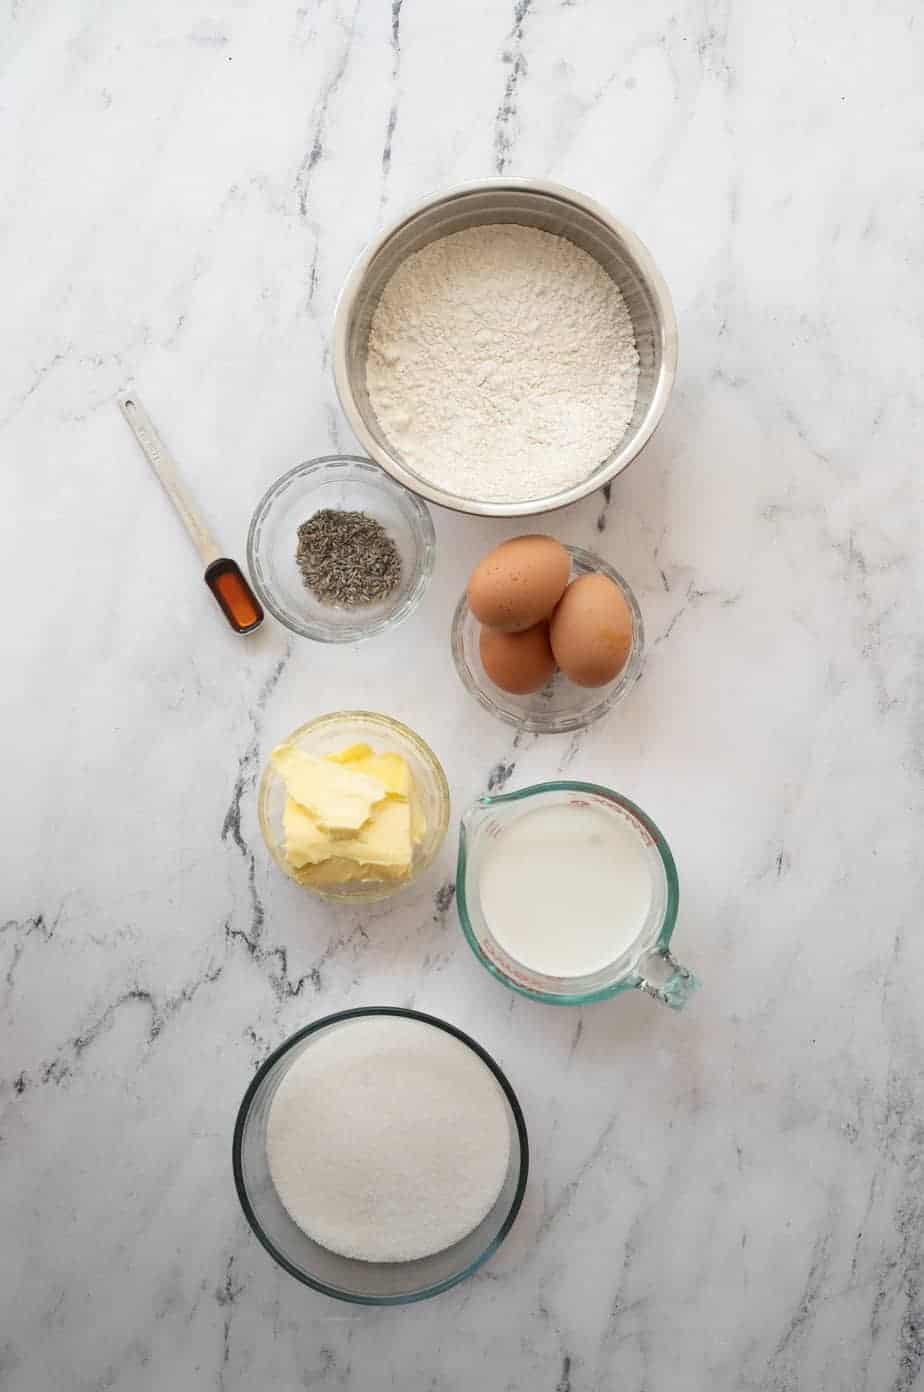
(646,964)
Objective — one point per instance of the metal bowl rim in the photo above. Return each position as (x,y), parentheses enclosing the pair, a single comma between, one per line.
(623,457)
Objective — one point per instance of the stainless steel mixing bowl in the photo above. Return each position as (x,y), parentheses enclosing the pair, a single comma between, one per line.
(536,204)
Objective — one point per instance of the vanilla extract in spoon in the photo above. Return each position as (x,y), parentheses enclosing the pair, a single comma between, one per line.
(223,576)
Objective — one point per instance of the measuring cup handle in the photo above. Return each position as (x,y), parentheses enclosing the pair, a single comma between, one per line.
(662,977)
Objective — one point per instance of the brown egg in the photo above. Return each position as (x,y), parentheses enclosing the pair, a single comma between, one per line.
(591,631)
(517,662)
(519,583)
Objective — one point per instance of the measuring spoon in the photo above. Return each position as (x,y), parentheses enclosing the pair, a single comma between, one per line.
(223,576)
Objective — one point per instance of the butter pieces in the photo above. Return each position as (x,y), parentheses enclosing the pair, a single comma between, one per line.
(388,769)
(307,842)
(339,798)
(349,816)
(384,840)
(341,872)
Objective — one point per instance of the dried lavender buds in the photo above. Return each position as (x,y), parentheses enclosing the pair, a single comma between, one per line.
(347,558)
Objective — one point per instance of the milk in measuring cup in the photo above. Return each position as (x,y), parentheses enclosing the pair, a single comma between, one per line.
(567,888)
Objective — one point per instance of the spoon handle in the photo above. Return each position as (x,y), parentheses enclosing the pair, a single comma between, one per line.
(164,466)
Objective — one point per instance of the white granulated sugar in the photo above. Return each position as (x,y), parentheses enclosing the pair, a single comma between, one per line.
(388,1139)
(502,363)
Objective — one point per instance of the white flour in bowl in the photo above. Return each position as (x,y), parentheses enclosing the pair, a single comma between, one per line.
(502,363)
(388,1139)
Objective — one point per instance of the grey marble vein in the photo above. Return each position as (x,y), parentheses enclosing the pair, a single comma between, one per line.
(392,121)
(514,59)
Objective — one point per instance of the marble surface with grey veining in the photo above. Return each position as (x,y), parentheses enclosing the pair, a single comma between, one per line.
(731,1198)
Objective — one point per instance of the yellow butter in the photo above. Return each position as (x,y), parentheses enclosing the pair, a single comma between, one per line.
(307,842)
(352,751)
(325,794)
(339,872)
(388,769)
(338,797)
(385,839)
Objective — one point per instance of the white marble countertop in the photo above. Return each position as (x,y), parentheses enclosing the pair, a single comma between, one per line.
(729,1198)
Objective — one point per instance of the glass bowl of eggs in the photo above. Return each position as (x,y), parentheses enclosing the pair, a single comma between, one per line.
(547,637)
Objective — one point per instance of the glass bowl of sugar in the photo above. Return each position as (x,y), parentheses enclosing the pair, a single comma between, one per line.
(380,1156)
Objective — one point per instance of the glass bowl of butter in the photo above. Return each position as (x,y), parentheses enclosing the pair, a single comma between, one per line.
(353,805)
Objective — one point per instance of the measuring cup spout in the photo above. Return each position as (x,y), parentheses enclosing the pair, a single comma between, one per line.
(662,977)
(474,815)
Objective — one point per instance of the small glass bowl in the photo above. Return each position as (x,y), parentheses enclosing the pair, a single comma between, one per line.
(328,735)
(343,482)
(561,705)
(364,1283)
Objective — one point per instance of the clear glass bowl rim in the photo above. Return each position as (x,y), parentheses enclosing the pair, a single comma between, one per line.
(378,478)
(667,860)
(355,1013)
(384,889)
(621,685)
